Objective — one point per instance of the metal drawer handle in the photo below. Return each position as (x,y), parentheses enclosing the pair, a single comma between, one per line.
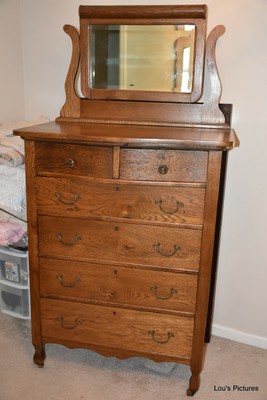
(163,169)
(68,285)
(68,203)
(179,204)
(66,326)
(153,334)
(70,163)
(59,236)
(154,291)
(162,253)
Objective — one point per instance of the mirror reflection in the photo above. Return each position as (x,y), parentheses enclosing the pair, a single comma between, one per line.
(142,57)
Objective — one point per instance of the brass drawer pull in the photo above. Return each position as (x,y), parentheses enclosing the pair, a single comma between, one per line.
(179,204)
(153,334)
(59,236)
(68,285)
(66,326)
(154,291)
(162,253)
(163,169)
(67,203)
(70,163)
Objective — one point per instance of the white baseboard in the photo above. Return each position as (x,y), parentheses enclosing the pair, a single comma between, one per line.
(238,336)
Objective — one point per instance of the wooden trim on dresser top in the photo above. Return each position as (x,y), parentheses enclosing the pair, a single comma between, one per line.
(132,136)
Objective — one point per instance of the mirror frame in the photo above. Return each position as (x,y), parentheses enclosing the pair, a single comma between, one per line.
(143,15)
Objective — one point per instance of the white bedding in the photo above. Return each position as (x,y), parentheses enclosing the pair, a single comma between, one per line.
(12,169)
(12,190)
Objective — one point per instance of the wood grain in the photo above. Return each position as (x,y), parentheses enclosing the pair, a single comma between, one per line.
(30,164)
(181,166)
(211,110)
(119,242)
(152,12)
(119,327)
(211,203)
(74,160)
(156,137)
(169,204)
(71,108)
(128,287)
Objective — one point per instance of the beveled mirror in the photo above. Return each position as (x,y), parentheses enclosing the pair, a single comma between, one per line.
(133,53)
(141,57)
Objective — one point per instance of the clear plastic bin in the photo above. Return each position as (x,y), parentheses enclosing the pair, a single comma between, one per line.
(14,300)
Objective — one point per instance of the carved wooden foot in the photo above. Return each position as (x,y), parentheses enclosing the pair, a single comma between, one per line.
(193,384)
(39,356)
(190,392)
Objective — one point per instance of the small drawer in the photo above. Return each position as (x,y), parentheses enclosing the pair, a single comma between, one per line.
(53,158)
(14,268)
(163,165)
(78,198)
(118,285)
(144,332)
(127,243)
(14,301)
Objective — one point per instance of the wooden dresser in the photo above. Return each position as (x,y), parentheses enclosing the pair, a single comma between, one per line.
(123,219)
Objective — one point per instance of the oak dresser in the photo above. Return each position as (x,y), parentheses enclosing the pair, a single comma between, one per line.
(124,200)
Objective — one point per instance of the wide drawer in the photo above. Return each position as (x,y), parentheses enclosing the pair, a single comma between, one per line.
(80,198)
(126,243)
(118,328)
(163,165)
(118,285)
(53,158)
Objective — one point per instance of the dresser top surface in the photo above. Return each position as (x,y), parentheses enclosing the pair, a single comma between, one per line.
(132,135)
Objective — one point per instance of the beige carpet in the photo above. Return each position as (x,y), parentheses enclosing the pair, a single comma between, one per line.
(81,374)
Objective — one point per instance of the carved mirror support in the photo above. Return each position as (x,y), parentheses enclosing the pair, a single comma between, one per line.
(135,61)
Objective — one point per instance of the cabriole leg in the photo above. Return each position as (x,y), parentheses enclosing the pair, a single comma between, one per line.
(39,355)
(193,384)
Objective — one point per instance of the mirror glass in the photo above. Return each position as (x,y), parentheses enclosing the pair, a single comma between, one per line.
(142,57)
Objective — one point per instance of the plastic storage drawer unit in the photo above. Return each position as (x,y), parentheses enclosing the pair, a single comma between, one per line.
(14,283)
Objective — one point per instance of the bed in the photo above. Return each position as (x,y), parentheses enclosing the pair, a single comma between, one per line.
(12,169)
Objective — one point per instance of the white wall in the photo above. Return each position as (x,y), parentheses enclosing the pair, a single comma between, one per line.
(240,311)
(11,67)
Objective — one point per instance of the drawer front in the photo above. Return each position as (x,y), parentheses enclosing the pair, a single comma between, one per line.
(118,328)
(70,159)
(163,165)
(78,198)
(126,243)
(118,285)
